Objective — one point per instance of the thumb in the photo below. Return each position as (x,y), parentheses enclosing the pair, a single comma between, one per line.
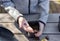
(20,24)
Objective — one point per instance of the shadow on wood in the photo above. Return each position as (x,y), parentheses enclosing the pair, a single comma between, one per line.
(6,35)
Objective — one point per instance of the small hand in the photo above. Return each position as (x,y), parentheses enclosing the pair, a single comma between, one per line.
(24,25)
(38,34)
(41,27)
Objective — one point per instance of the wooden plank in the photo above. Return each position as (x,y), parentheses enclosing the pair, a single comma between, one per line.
(53,17)
(11,27)
(17,33)
(53,7)
(21,38)
(51,28)
(8,22)
(6,18)
(54,37)
(57,7)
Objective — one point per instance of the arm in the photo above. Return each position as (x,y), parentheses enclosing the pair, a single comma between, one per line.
(21,20)
(13,12)
(44,11)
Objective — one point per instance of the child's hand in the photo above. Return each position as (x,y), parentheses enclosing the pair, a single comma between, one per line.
(24,25)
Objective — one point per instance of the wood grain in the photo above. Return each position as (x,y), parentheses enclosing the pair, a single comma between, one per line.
(5,17)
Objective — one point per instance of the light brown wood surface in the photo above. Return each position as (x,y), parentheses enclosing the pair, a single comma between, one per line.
(7,22)
(5,17)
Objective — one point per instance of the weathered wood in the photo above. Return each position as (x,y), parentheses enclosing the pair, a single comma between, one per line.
(53,18)
(11,27)
(21,38)
(17,33)
(52,25)
(8,22)
(54,6)
(51,28)
(6,18)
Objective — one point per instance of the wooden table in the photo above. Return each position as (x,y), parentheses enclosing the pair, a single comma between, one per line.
(8,22)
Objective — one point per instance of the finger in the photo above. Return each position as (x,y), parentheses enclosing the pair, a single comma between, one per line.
(36,35)
(35,31)
(20,24)
(26,26)
(28,29)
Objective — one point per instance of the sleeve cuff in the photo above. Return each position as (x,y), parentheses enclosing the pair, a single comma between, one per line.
(42,22)
(18,18)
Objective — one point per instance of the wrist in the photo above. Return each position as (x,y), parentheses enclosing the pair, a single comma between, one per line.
(18,18)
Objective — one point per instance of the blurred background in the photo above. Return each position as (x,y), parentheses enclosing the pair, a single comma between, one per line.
(54,7)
